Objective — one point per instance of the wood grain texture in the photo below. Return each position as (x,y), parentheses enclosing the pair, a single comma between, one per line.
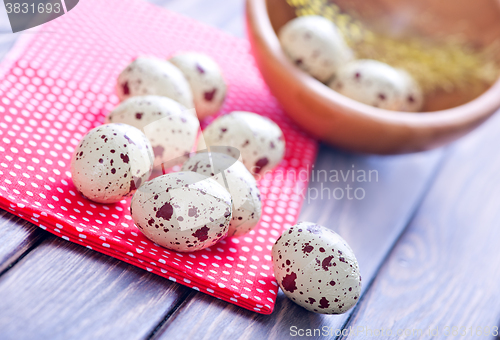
(445,271)
(63,291)
(16,237)
(370,226)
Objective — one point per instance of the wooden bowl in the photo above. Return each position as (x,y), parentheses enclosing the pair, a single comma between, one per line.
(353,126)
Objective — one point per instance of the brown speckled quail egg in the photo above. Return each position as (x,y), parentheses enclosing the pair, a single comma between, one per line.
(373,83)
(413,98)
(206,81)
(170,127)
(150,75)
(258,138)
(316,269)
(247,206)
(182,211)
(315,45)
(110,162)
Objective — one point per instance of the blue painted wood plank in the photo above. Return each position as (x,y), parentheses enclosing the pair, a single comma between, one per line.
(61,290)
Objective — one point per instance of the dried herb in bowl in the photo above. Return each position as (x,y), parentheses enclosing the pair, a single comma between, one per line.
(446,65)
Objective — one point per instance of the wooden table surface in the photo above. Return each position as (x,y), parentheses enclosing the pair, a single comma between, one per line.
(426,236)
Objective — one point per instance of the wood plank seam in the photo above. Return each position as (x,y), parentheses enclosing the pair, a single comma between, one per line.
(127,292)
(15,260)
(181,301)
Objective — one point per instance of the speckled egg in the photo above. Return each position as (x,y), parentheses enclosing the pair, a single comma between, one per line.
(169,126)
(372,82)
(258,138)
(413,98)
(247,206)
(316,269)
(110,162)
(315,45)
(206,81)
(182,211)
(150,75)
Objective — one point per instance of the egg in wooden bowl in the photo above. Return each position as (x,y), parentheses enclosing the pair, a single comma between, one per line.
(350,125)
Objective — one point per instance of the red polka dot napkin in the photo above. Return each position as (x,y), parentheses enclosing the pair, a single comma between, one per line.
(59,83)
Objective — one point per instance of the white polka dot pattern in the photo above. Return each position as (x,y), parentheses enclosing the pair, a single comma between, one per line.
(62,85)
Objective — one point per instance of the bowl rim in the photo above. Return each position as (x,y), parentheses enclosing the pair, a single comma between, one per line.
(477,109)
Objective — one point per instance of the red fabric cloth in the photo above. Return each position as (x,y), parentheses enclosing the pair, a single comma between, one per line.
(59,84)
